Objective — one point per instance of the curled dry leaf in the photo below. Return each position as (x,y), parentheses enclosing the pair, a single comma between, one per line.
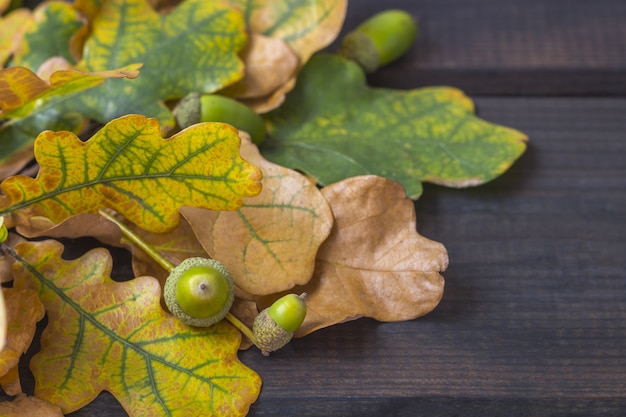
(24,405)
(269,63)
(269,244)
(23,311)
(306,27)
(374,263)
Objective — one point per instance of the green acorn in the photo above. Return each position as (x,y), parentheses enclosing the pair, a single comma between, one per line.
(195,108)
(199,292)
(274,327)
(380,40)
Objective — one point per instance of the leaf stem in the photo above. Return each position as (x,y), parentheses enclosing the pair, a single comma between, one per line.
(168,266)
(134,238)
(241,326)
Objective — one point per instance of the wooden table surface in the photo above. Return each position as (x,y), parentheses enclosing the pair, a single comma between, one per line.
(533,319)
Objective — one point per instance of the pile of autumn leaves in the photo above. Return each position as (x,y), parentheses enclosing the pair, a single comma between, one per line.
(352,246)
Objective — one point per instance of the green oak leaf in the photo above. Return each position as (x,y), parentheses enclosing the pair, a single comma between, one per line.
(55,25)
(193,48)
(333,126)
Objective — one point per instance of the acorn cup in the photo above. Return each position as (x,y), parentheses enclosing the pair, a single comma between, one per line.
(195,108)
(380,40)
(274,327)
(199,292)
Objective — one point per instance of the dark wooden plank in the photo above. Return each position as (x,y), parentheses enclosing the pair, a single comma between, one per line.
(512,47)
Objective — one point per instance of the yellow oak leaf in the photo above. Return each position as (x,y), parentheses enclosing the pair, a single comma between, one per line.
(114,336)
(374,263)
(30,105)
(269,244)
(22,91)
(127,166)
(12,28)
(23,311)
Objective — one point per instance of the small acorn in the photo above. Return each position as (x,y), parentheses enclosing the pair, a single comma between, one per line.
(195,108)
(199,291)
(380,40)
(274,327)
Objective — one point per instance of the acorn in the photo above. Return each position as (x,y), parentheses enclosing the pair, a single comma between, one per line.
(380,40)
(199,291)
(195,108)
(274,327)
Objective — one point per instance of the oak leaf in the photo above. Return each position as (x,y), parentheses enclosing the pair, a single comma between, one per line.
(114,336)
(304,27)
(31,104)
(50,35)
(23,311)
(374,263)
(12,27)
(192,49)
(307,26)
(269,64)
(30,406)
(333,126)
(127,166)
(269,244)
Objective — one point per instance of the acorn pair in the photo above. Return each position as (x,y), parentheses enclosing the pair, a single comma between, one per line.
(200,292)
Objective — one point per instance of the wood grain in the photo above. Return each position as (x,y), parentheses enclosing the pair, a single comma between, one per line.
(512,47)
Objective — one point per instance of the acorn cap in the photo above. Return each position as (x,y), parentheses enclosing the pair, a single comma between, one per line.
(171,296)
(188,110)
(381,39)
(269,335)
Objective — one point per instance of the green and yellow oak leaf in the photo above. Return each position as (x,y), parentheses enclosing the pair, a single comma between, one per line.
(114,336)
(333,126)
(127,166)
(29,105)
(192,49)
(23,310)
(54,25)
(307,26)
(12,27)
(273,238)
(374,263)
